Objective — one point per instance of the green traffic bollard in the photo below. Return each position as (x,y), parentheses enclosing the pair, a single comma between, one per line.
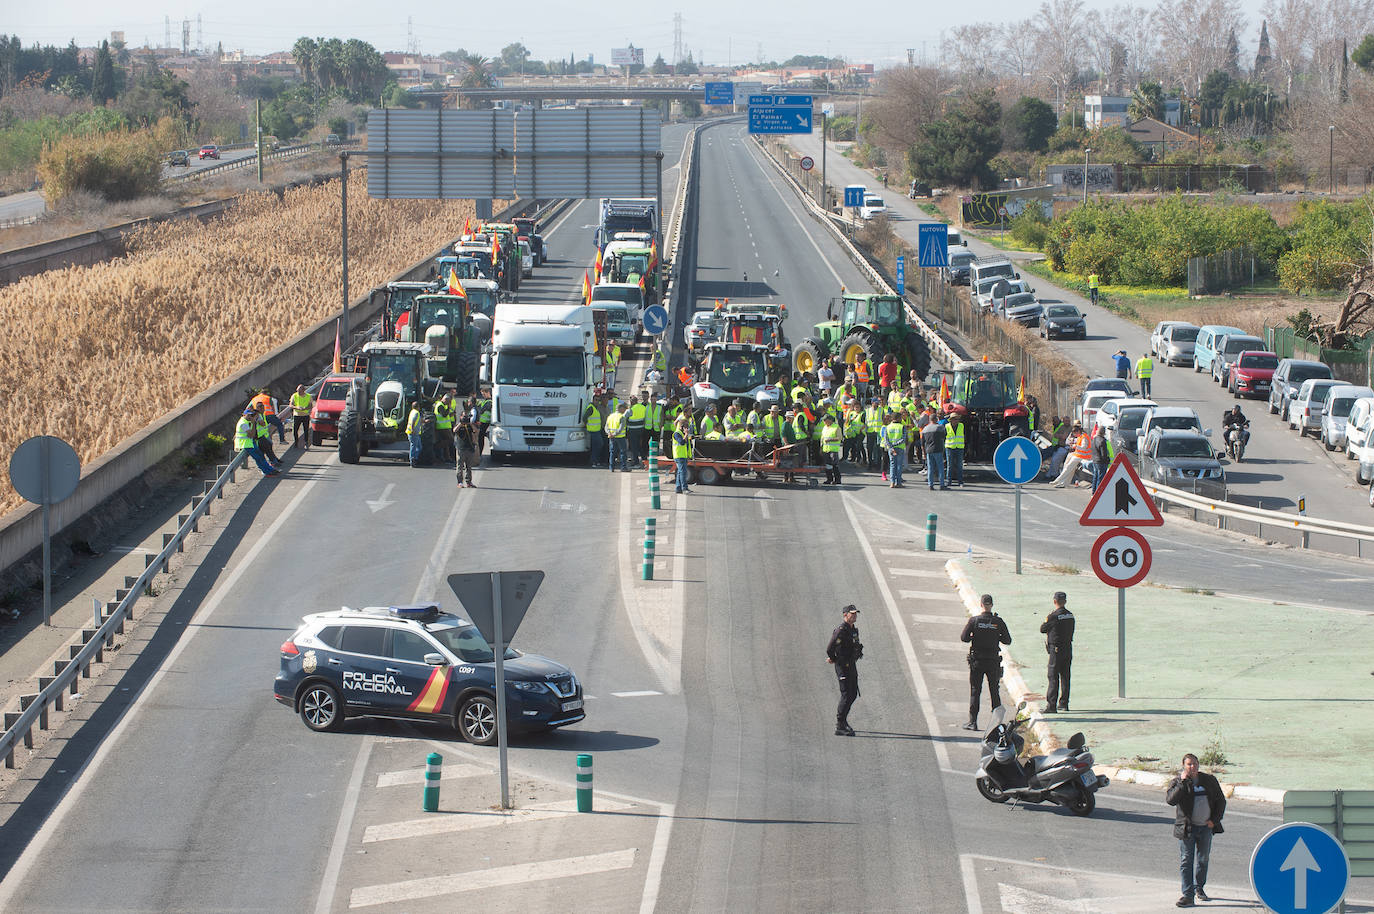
(649,528)
(432,773)
(584,782)
(930,533)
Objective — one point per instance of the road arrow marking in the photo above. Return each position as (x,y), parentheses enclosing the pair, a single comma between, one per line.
(763,498)
(385,500)
(1300,861)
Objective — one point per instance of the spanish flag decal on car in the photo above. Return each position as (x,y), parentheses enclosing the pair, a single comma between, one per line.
(431,697)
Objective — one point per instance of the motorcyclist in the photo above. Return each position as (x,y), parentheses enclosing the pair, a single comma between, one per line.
(1233,417)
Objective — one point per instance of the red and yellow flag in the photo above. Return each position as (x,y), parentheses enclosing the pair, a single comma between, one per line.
(467,226)
(431,697)
(495,249)
(586,288)
(641,283)
(596,268)
(1021,391)
(653,254)
(338,348)
(454,286)
(944,390)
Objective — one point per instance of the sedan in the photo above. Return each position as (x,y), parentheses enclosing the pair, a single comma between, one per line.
(1022,307)
(209,151)
(1183,459)
(1062,321)
(1125,434)
(702,329)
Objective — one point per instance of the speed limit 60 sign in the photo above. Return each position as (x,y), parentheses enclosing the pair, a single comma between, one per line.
(1121,557)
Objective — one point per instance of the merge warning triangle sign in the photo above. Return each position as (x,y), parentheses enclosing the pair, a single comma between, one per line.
(1121,500)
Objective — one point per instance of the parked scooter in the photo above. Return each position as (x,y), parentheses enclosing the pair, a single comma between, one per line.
(1065,776)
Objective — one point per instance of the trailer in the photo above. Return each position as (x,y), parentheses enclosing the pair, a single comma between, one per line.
(716,460)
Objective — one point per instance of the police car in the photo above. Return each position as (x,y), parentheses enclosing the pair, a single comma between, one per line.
(417,663)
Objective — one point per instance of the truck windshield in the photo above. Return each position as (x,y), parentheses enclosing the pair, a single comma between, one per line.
(738,371)
(443,311)
(403,367)
(616,314)
(630,295)
(983,389)
(483,301)
(540,367)
(636,265)
(885,311)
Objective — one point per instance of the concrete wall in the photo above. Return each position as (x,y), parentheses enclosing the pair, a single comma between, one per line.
(21,531)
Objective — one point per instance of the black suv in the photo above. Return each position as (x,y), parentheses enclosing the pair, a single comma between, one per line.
(418,663)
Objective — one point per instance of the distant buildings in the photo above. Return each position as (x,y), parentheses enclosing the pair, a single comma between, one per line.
(1110,111)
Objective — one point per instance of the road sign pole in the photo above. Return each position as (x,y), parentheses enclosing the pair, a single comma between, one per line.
(45,459)
(825,204)
(499,649)
(1121,642)
(1018,529)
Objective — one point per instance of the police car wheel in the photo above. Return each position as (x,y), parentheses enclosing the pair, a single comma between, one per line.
(477,720)
(319,707)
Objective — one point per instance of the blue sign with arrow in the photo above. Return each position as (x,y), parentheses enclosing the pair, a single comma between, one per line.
(775,114)
(1017,460)
(901,274)
(854,195)
(1299,868)
(720,93)
(655,319)
(932,244)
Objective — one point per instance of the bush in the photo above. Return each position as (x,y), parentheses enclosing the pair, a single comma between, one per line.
(119,165)
(1030,229)
(1328,243)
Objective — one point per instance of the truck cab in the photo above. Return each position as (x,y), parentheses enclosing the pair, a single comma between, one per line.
(733,371)
(985,396)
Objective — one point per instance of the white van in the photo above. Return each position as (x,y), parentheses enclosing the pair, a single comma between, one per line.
(984,269)
(873,205)
(1359,429)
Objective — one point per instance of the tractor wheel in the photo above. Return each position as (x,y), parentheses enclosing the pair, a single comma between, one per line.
(467,373)
(809,355)
(427,436)
(918,354)
(348,435)
(861,345)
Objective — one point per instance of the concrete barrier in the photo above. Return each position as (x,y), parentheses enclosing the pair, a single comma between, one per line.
(103,480)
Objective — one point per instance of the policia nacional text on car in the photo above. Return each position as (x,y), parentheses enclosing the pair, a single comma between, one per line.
(984,633)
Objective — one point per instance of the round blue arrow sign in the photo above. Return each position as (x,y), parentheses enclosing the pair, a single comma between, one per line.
(1299,868)
(1017,460)
(655,319)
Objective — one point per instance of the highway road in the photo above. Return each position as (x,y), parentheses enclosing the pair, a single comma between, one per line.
(720,784)
(1279,466)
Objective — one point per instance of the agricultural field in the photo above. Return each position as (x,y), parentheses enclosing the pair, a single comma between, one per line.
(94,354)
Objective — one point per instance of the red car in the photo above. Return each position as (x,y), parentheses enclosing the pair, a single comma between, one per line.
(1252,374)
(209,151)
(329,402)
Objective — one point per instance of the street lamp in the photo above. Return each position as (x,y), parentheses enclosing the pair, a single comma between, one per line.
(1086,152)
(1331,159)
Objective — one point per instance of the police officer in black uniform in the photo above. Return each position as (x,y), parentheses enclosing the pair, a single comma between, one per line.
(844,651)
(1058,632)
(984,633)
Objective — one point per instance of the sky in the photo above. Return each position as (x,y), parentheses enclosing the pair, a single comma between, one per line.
(714,31)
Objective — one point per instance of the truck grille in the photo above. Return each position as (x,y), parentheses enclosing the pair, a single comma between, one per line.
(534,437)
(540,412)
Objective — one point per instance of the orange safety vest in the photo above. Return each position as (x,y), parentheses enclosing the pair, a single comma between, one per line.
(861,371)
(266,402)
(1083,447)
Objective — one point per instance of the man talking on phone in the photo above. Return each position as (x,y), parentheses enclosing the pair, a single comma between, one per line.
(1200,806)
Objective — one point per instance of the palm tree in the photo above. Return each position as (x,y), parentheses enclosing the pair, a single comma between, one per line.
(1147,100)
(304,52)
(478,75)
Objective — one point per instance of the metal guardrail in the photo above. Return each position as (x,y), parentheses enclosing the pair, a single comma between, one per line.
(284,152)
(33,709)
(1260,516)
(673,240)
(25,220)
(939,348)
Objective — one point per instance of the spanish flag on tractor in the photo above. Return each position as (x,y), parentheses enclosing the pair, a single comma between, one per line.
(944,390)
(586,289)
(1021,391)
(454,286)
(596,268)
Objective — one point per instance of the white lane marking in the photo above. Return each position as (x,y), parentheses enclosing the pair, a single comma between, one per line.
(417,775)
(771,179)
(901,552)
(428,583)
(917,573)
(928,595)
(944,646)
(658,856)
(642,693)
(763,499)
(938,620)
(903,637)
(86,775)
(487,818)
(970,878)
(515,874)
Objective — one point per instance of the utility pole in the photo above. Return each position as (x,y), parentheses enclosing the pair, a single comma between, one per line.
(1086,152)
(1331,159)
(825,202)
(257,119)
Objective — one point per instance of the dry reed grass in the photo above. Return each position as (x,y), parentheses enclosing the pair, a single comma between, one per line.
(94,354)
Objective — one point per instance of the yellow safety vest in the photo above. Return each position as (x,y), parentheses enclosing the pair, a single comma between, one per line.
(615,425)
(443,416)
(593,418)
(896,435)
(1145,367)
(300,404)
(637,413)
(244,434)
(873,418)
(708,424)
(830,439)
(682,445)
(1092,280)
(413,422)
(954,440)
(772,426)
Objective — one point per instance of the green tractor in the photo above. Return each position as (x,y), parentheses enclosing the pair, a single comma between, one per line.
(868,326)
(394,377)
(455,335)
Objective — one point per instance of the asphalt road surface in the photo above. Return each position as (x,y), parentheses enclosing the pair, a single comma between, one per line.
(710,705)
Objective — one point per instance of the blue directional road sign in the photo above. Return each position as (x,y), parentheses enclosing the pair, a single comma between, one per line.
(932,244)
(774,114)
(655,319)
(1299,868)
(1017,460)
(901,274)
(720,93)
(854,195)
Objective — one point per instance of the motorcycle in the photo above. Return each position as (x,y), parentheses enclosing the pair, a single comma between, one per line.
(1064,776)
(1235,441)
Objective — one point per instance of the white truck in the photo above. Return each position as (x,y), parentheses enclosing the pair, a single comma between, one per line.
(543,366)
(626,214)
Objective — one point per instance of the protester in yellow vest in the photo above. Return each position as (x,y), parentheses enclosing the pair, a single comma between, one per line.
(954,452)
(615,434)
(831,442)
(300,416)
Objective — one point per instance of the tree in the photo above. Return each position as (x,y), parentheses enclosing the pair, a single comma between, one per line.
(1363,55)
(1059,41)
(1212,97)
(1260,72)
(957,148)
(513,57)
(660,66)
(1232,61)
(1147,100)
(156,94)
(102,76)
(304,52)
(1029,124)
(686,67)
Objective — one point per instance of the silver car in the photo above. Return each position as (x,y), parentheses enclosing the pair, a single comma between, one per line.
(1305,410)
(1183,459)
(1175,346)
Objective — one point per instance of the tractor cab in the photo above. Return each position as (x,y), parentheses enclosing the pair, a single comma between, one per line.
(734,370)
(759,324)
(454,334)
(861,326)
(986,396)
(396,307)
(876,312)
